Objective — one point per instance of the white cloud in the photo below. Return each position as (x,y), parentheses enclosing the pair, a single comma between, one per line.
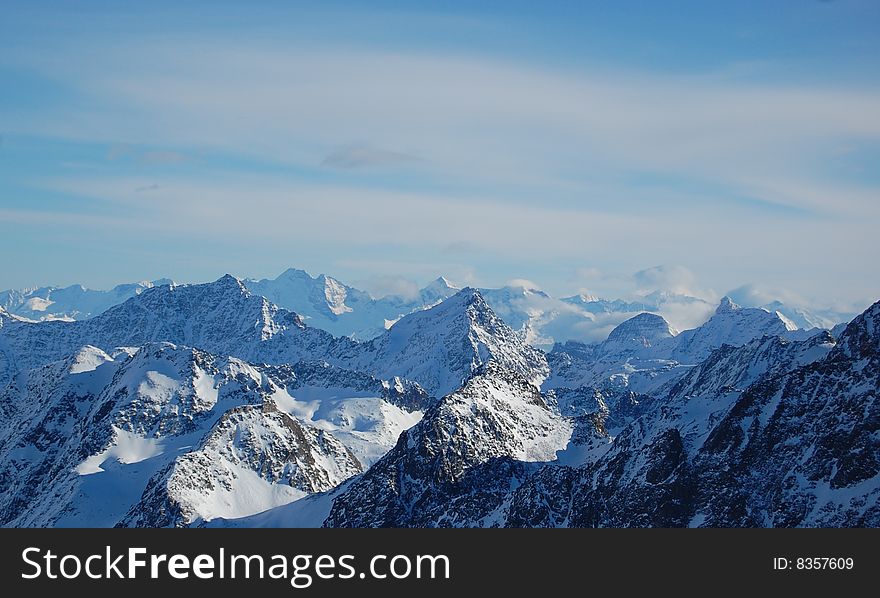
(381,226)
(755,295)
(495,132)
(672,278)
(469,117)
(385,285)
(522,283)
(684,316)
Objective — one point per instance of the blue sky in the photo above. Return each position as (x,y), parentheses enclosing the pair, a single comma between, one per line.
(573,144)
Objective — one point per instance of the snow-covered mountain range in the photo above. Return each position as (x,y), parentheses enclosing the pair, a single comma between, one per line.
(69,303)
(327,303)
(212,404)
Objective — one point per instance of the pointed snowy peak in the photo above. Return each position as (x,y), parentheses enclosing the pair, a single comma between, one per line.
(225,302)
(727,306)
(440,347)
(441,282)
(466,297)
(730,325)
(457,303)
(438,290)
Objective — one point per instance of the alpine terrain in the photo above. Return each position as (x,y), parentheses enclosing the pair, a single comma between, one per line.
(302,401)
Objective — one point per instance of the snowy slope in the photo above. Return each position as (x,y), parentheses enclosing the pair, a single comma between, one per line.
(253,459)
(172,435)
(496,415)
(365,413)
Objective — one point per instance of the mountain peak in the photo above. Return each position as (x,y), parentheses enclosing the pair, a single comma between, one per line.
(230,282)
(441,346)
(647,328)
(294,273)
(461,302)
(861,338)
(442,282)
(87,359)
(468,296)
(437,290)
(727,306)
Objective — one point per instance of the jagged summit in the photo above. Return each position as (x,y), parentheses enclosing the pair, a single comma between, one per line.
(329,304)
(727,306)
(229,279)
(730,325)
(497,416)
(436,291)
(861,338)
(441,282)
(441,346)
(222,317)
(467,296)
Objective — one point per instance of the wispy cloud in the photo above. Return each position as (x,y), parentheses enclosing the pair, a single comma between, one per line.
(163,158)
(120,151)
(460,247)
(670,278)
(520,165)
(282,214)
(472,118)
(366,157)
(384,285)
